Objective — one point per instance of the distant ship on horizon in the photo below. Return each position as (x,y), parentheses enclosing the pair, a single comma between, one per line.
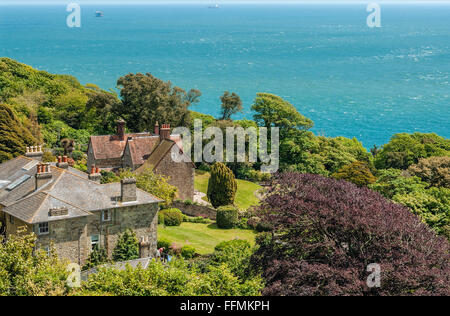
(98,14)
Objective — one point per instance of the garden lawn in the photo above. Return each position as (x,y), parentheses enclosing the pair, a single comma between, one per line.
(203,237)
(245,195)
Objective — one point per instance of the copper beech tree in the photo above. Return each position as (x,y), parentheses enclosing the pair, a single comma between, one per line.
(325,234)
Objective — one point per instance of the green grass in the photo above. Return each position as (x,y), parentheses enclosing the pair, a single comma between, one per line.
(203,237)
(245,195)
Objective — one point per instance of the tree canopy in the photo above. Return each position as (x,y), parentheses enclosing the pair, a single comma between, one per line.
(147,100)
(325,234)
(231,104)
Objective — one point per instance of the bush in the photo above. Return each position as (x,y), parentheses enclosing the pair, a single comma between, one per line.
(357,172)
(435,171)
(97,257)
(222,185)
(326,233)
(197,220)
(160,218)
(227,216)
(127,247)
(48,157)
(236,254)
(188,252)
(172,217)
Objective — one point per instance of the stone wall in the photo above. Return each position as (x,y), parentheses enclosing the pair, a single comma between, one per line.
(181,175)
(196,210)
(72,238)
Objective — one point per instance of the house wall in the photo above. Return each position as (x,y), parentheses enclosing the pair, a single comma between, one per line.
(181,175)
(72,238)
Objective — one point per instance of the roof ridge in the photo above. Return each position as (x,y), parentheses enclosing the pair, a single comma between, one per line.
(39,208)
(68,203)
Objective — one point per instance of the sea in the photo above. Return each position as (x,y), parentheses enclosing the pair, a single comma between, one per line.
(350,79)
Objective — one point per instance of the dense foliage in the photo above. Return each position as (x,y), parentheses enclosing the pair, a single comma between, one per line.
(222,185)
(431,204)
(171,217)
(357,172)
(326,233)
(14,136)
(147,100)
(434,170)
(127,247)
(152,183)
(24,271)
(403,150)
(227,216)
(97,257)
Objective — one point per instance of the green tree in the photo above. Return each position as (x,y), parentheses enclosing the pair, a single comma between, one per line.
(404,150)
(357,172)
(222,185)
(127,247)
(434,170)
(231,104)
(272,110)
(147,100)
(153,183)
(14,137)
(27,271)
(97,257)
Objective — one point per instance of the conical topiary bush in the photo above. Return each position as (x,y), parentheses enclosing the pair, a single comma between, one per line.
(222,185)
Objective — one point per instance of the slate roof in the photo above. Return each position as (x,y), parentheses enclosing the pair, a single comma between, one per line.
(65,189)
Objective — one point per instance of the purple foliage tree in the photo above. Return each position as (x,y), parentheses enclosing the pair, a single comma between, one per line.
(326,232)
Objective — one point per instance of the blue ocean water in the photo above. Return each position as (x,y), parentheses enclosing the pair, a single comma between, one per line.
(352,80)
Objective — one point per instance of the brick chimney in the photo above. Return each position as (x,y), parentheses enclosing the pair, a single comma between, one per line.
(34,152)
(95,174)
(128,190)
(63,162)
(165,132)
(157,128)
(43,175)
(121,129)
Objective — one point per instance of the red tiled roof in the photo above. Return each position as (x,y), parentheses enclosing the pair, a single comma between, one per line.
(110,146)
(141,146)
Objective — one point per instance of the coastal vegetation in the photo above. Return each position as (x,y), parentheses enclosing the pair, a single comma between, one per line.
(332,209)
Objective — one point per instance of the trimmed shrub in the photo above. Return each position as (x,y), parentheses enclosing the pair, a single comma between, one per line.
(160,217)
(227,216)
(172,217)
(357,172)
(187,252)
(197,220)
(222,185)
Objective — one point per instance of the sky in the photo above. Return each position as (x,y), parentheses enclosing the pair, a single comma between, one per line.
(210,1)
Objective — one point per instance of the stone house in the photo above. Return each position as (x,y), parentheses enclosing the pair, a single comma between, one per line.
(71,211)
(139,151)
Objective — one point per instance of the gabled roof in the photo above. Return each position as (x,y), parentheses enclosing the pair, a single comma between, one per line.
(110,146)
(141,145)
(163,149)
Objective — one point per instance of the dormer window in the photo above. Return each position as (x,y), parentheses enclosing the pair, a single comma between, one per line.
(106,216)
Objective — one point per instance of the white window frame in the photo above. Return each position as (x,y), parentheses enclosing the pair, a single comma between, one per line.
(93,243)
(40,232)
(106,219)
